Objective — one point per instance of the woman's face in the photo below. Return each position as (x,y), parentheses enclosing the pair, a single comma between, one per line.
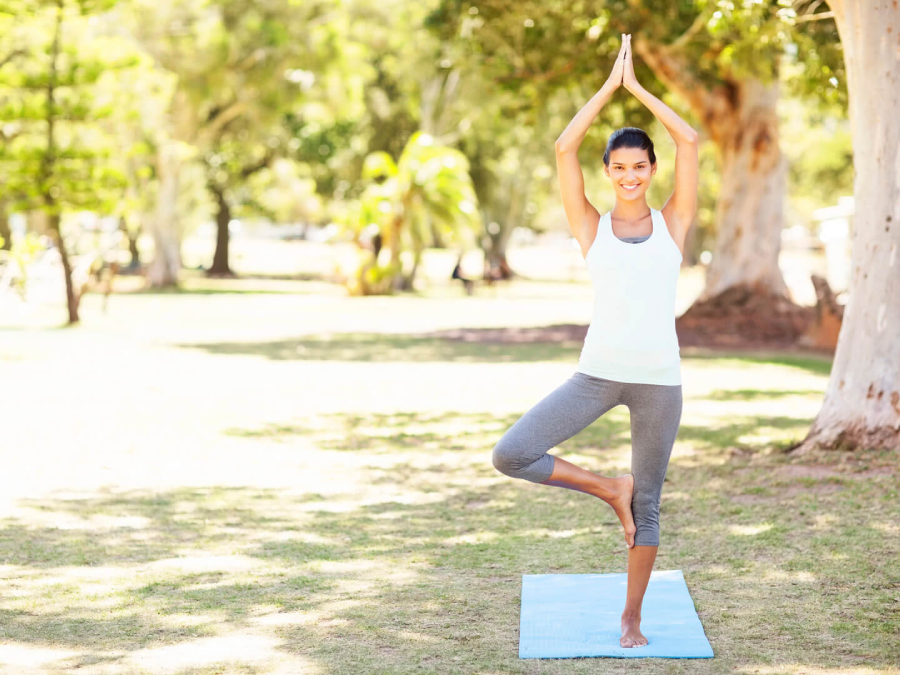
(629,166)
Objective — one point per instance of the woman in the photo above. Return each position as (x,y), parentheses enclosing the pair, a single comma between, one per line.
(630,355)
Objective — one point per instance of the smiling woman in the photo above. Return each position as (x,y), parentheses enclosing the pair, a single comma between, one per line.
(629,162)
(630,355)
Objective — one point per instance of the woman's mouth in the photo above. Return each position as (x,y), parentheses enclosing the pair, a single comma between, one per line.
(631,188)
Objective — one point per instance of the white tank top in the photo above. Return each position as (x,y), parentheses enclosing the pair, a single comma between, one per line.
(632,333)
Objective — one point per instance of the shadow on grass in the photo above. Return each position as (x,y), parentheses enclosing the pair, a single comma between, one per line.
(813,363)
(347,587)
(387,433)
(758,394)
(380,347)
(487,345)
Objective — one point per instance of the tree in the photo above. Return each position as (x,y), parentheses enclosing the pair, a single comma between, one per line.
(237,76)
(228,166)
(428,183)
(720,57)
(57,162)
(862,403)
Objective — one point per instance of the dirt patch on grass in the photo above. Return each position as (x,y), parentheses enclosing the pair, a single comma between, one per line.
(752,330)
(821,471)
(826,471)
(781,494)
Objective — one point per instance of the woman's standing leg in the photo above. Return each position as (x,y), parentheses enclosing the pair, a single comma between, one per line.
(575,404)
(655,418)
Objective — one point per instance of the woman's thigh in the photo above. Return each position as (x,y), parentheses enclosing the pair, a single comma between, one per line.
(564,412)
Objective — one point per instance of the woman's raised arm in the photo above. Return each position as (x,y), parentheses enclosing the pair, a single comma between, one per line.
(681,207)
(580,213)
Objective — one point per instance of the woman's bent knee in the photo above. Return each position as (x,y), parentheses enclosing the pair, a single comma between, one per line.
(512,461)
(501,461)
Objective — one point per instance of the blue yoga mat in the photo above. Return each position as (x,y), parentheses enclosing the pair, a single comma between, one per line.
(572,615)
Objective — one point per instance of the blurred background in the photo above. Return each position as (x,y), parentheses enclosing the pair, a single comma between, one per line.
(380,148)
(277,275)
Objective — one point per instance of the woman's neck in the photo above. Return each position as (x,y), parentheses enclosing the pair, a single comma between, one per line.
(630,212)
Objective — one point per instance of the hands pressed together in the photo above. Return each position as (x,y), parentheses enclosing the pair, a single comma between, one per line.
(623,70)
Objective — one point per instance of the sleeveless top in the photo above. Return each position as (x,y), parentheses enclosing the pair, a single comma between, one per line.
(632,334)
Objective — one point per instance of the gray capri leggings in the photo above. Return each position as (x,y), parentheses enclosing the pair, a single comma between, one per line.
(655,411)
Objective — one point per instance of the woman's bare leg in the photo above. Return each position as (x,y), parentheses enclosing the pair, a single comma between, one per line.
(616,492)
(640,565)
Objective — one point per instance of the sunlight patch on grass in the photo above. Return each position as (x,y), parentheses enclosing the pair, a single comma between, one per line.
(546,533)
(825,521)
(886,527)
(471,538)
(375,496)
(67,521)
(193,561)
(719,569)
(781,575)
(227,649)
(416,637)
(29,656)
(749,530)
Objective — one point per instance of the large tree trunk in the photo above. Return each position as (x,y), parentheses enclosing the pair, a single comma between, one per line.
(740,117)
(163,270)
(862,404)
(223,217)
(750,208)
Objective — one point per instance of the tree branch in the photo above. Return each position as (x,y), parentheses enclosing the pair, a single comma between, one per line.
(219,118)
(675,74)
(248,171)
(538,77)
(9,57)
(803,18)
(701,20)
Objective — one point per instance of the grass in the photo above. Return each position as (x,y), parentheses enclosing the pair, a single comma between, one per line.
(298,482)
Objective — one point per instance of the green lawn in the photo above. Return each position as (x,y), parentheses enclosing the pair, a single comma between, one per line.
(293,481)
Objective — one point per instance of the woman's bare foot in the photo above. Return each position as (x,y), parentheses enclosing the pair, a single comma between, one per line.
(621,504)
(631,632)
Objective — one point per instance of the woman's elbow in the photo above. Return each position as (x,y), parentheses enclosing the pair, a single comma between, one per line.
(562,145)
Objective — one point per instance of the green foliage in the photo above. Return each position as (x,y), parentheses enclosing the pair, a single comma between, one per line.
(22,254)
(55,157)
(428,185)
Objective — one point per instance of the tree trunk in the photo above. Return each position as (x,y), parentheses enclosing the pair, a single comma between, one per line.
(223,217)
(5,230)
(740,117)
(135,261)
(496,265)
(72,297)
(163,270)
(750,207)
(862,403)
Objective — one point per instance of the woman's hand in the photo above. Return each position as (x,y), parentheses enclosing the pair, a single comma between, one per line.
(618,70)
(628,78)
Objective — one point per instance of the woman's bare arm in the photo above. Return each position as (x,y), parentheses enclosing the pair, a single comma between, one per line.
(681,207)
(580,213)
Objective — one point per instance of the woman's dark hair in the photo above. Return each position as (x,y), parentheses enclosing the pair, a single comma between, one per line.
(629,137)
